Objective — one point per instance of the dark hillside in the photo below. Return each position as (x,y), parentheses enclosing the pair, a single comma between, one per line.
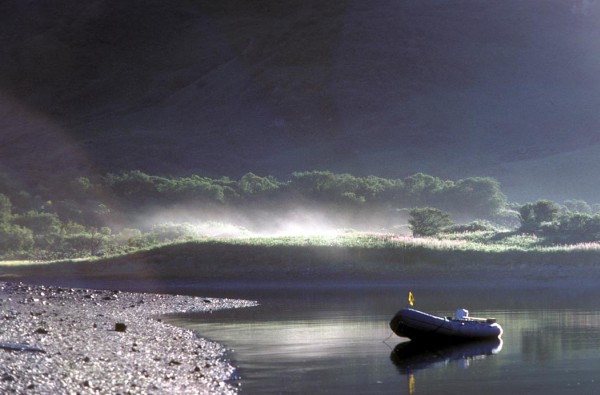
(450,88)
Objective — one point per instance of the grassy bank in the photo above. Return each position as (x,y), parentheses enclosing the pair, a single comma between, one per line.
(347,257)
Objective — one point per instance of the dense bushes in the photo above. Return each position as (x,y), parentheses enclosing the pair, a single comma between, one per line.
(137,188)
(565,228)
(475,226)
(428,221)
(85,216)
(572,222)
(472,197)
(14,238)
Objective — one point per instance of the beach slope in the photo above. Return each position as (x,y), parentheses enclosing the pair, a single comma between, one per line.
(57,340)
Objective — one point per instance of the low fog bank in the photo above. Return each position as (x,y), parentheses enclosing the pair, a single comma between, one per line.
(119,213)
(297,220)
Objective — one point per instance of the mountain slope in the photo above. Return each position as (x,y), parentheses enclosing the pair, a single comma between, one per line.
(452,88)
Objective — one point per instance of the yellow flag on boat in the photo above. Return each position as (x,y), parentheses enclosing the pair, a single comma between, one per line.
(411,298)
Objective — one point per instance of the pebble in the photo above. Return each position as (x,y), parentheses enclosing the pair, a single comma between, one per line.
(81,350)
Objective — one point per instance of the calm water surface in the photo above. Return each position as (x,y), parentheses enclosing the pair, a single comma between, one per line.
(336,340)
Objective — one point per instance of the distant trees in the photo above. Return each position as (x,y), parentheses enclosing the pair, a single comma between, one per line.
(478,197)
(138,189)
(534,215)
(12,236)
(327,187)
(425,190)
(577,206)
(255,187)
(573,222)
(5,208)
(428,221)
(46,228)
(67,217)
(571,228)
(133,186)
(77,217)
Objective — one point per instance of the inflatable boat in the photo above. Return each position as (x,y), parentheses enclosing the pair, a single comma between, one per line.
(417,325)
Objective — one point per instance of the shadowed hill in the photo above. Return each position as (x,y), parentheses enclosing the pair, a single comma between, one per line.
(450,88)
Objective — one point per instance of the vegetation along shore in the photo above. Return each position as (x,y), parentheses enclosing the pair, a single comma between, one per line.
(123,213)
(351,257)
(315,227)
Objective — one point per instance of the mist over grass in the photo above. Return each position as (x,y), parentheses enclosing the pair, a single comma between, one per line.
(131,211)
(289,220)
(484,242)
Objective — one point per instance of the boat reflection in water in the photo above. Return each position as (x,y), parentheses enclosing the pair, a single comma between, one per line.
(411,356)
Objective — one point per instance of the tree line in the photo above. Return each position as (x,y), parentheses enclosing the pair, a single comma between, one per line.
(575,221)
(473,197)
(86,216)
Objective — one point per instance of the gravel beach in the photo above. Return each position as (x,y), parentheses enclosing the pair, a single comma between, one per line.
(76,341)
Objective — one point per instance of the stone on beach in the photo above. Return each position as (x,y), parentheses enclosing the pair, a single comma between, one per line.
(68,341)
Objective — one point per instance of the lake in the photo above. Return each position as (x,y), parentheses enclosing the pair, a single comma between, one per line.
(335,339)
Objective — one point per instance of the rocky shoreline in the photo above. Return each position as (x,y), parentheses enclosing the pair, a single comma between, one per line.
(57,340)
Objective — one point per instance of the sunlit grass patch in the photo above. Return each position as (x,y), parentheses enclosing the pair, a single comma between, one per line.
(42,262)
(485,242)
(482,242)
(17,262)
(356,240)
(590,246)
(359,248)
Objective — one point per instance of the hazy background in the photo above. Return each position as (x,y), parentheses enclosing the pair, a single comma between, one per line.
(508,89)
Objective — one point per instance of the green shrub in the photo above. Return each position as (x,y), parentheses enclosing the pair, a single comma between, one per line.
(14,238)
(45,227)
(475,226)
(534,215)
(428,221)
(171,232)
